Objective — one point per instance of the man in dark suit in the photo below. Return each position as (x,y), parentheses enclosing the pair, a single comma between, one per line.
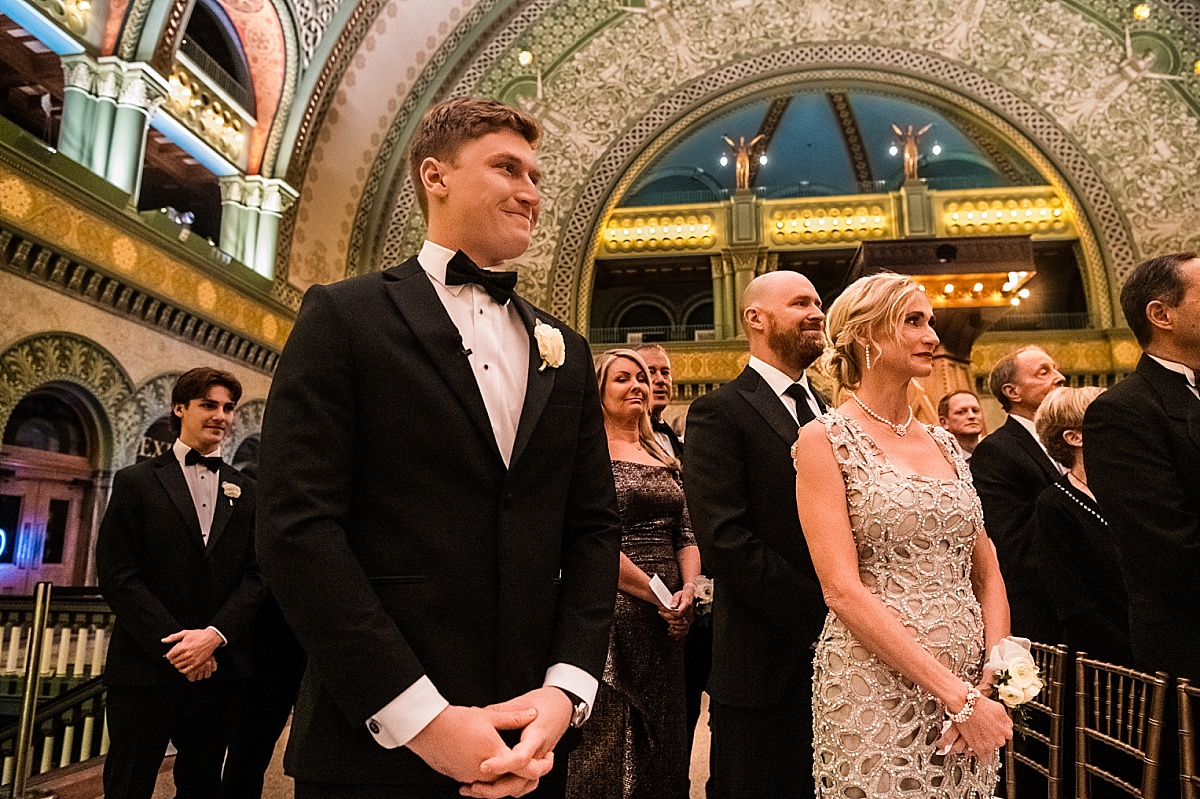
(661,387)
(1141,444)
(175,560)
(1010,468)
(439,518)
(768,609)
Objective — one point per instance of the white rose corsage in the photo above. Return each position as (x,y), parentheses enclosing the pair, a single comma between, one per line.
(550,345)
(704,595)
(1017,677)
(231,490)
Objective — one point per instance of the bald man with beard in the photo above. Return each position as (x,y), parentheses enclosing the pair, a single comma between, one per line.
(741,491)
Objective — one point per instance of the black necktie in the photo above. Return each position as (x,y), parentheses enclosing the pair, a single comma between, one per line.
(213,463)
(462,270)
(799,393)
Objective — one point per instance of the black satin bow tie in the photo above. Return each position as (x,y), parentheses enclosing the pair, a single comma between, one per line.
(462,270)
(213,463)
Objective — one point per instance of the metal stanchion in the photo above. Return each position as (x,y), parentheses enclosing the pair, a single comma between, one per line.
(33,680)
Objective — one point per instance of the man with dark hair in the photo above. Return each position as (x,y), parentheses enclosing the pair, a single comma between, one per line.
(1010,468)
(959,413)
(175,561)
(661,387)
(768,608)
(439,517)
(1141,444)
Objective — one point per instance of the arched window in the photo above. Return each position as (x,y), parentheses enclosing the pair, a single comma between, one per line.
(700,316)
(46,421)
(644,315)
(212,43)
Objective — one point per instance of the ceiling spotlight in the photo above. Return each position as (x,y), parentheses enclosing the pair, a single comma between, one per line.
(949,289)
(937,149)
(524,58)
(1023,294)
(762,159)
(893,150)
(977,288)
(1141,11)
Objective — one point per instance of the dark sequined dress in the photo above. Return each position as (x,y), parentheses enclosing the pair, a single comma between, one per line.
(634,744)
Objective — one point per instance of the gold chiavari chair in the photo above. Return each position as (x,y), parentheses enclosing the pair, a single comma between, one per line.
(1189,761)
(1041,748)
(1120,710)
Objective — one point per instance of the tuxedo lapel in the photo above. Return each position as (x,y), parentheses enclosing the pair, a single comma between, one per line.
(170,474)
(418,302)
(769,406)
(538,386)
(224,508)
(1033,450)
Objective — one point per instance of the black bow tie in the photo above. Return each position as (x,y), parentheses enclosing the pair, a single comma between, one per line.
(213,463)
(462,270)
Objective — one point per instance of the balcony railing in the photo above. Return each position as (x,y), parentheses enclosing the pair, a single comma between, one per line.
(217,74)
(645,335)
(1043,321)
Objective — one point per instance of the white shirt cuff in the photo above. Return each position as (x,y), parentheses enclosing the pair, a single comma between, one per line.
(399,721)
(573,679)
(224,640)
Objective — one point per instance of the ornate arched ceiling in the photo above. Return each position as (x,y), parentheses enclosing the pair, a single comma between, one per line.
(1051,77)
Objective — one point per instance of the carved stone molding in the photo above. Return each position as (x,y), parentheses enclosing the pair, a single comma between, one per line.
(60,358)
(82,281)
(247,421)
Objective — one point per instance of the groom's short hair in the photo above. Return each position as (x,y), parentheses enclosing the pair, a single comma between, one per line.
(449,125)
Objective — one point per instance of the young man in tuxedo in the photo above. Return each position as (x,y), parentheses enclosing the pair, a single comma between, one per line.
(1010,468)
(1141,444)
(768,609)
(438,519)
(175,560)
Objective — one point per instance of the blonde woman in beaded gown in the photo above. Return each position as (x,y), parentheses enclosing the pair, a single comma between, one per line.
(634,746)
(912,583)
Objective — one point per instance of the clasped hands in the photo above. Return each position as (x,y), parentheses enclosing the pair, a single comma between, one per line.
(683,609)
(988,728)
(464,743)
(192,653)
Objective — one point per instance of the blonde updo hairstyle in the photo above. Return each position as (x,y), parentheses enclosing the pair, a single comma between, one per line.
(870,310)
(1063,410)
(646,435)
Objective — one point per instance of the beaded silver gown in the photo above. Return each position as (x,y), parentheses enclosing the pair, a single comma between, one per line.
(873,729)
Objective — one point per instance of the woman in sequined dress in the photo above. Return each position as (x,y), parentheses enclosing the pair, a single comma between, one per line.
(912,583)
(634,744)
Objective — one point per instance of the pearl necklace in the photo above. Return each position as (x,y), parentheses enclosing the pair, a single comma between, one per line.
(899,429)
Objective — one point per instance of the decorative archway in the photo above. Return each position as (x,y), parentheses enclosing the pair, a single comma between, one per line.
(71,360)
(150,402)
(247,421)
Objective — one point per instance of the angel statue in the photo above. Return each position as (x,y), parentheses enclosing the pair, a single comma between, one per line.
(742,152)
(908,142)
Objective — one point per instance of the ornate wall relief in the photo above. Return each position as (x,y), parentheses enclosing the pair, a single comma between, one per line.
(64,358)
(149,403)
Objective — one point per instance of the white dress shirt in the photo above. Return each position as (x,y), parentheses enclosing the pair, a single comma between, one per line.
(202,485)
(499,348)
(780,382)
(1188,373)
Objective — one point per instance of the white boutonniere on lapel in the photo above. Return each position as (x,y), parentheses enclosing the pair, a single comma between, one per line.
(231,490)
(550,345)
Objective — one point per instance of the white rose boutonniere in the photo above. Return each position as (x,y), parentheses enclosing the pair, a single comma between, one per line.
(231,490)
(550,345)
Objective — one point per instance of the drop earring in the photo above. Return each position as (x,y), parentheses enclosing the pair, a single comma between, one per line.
(867,350)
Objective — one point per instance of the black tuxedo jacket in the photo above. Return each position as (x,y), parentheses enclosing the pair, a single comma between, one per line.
(1141,445)
(395,540)
(159,577)
(1010,470)
(768,608)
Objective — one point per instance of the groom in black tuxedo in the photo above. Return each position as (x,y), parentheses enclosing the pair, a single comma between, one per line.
(175,561)
(768,609)
(438,516)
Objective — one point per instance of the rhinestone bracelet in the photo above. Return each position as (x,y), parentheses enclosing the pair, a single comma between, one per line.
(968,708)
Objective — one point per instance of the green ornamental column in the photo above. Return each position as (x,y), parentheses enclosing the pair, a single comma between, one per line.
(237,230)
(277,198)
(77,135)
(141,95)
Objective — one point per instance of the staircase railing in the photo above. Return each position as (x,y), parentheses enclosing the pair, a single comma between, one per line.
(69,730)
